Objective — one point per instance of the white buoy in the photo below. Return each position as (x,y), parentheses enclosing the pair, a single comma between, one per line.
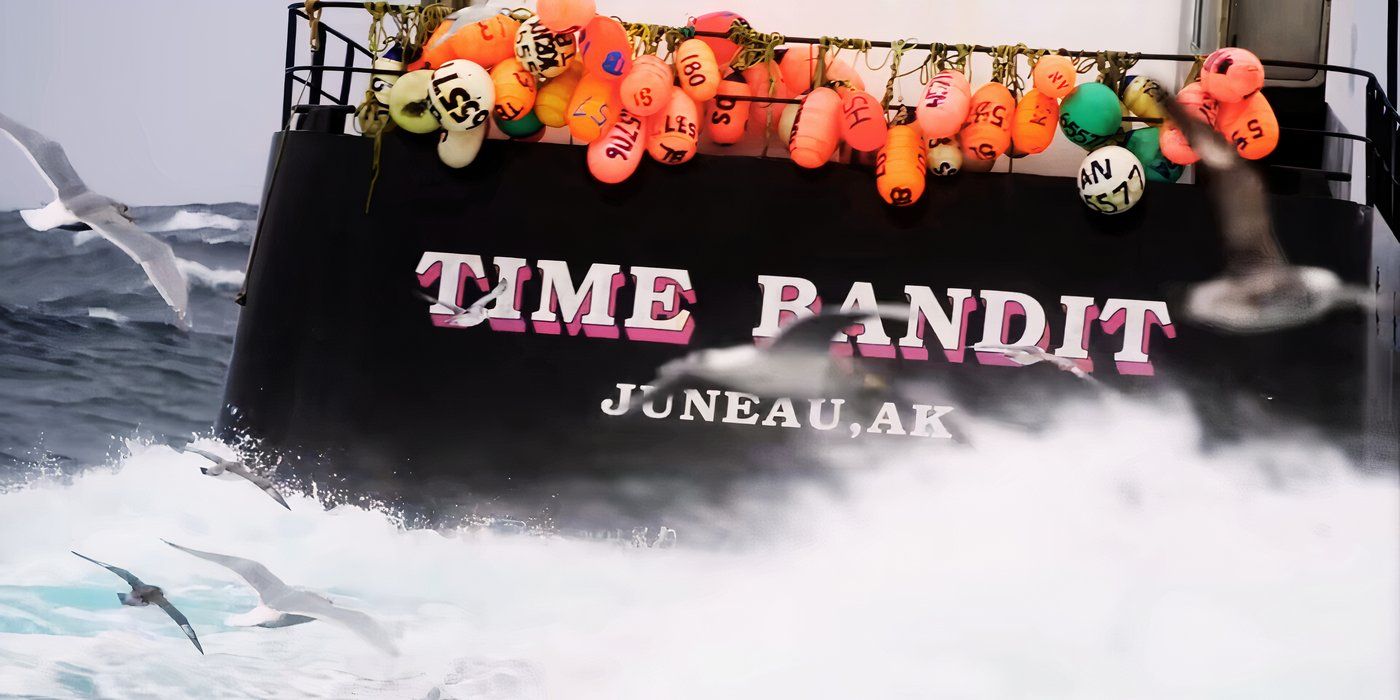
(945,156)
(1111,180)
(457,149)
(462,94)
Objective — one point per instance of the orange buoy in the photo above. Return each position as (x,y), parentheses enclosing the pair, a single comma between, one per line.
(591,107)
(799,68)
(862,120)
(816,128)
(435,51)
(515,90)
(486,42)
(1232,74)
(762,115)
(721,22)
(1034,125)
(900,166)
(944,105)
(647,87)
(552,101)
(564,16)
(726,117)
(1199,105)
(1054,76)
(1251,126)
(605,48)
(697,70)
(614,156)
(673,134)
(987,132)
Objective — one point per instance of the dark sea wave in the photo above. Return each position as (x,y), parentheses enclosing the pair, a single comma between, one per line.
(87,353)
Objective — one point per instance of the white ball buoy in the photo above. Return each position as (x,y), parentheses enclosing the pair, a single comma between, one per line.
(462,95)
(410,105)
(1111,180)
(945,156)
(457,149)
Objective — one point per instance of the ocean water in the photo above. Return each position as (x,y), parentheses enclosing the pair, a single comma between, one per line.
(1107,557)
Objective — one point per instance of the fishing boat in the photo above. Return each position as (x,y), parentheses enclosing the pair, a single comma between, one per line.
(341,369)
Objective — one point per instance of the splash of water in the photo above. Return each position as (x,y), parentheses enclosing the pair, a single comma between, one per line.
(1106,558)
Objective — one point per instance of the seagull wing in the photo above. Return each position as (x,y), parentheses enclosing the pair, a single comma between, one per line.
(479,306)
(361,624)
(47,156)
(260,481)
(126,575)
(154,255)
(180,620)
(814,333)
(202,453)
(455,309)
(1237,192)
(263,581)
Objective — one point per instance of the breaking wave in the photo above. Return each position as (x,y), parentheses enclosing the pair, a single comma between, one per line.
(1108,557)
(187,220)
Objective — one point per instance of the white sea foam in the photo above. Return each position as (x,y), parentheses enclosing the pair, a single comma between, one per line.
(186,220)
(110,315)
(1106,559)
(213,278)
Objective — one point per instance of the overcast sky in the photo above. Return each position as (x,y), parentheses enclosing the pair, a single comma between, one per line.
(175,101)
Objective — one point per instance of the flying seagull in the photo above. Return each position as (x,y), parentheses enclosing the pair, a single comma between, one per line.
(281,605)
(1032,354)
(77,205)
(1260,291)
(796,364)
(476,313)
(143,594)
(222,468)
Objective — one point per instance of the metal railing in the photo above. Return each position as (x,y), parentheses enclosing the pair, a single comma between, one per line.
(1382,189)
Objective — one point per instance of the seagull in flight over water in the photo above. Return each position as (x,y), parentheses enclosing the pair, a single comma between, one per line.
(473,315)
(77,207)
(1260,291)
(223,467)
(281,605)
(796,364)
(1025,355)
(143,594)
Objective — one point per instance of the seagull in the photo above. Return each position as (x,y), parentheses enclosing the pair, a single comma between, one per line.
(1260,291)
(796,364)
(1032,354)
(280,605)
(78,207)
(143,594)
(222,468)
(476,313)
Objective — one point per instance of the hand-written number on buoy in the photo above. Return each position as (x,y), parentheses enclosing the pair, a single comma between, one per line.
(986,112)
(599,117)
(644,97)
(1256,132)
(693,75)
(459,103)
(721,112)
(624,141)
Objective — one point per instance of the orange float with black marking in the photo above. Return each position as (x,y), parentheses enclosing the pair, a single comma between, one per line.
(862,120)
(1035,123)
(1231,74)
(591,107)
(614,156)
(816,128)
(900,166)
(647,87)
(1251,126)
(486,42)
(1054,76)
(672,134)
(1200,106)
(726,117)
(696,70)
(605,48)
(515,90)
(987,132)
(944,105)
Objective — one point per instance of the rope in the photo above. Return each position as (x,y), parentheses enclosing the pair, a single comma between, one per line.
(1195,73)
(1113,66)
(313,23)
(897,51)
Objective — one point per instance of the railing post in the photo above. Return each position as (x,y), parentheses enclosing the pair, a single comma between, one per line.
(318,59)
(286,117)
